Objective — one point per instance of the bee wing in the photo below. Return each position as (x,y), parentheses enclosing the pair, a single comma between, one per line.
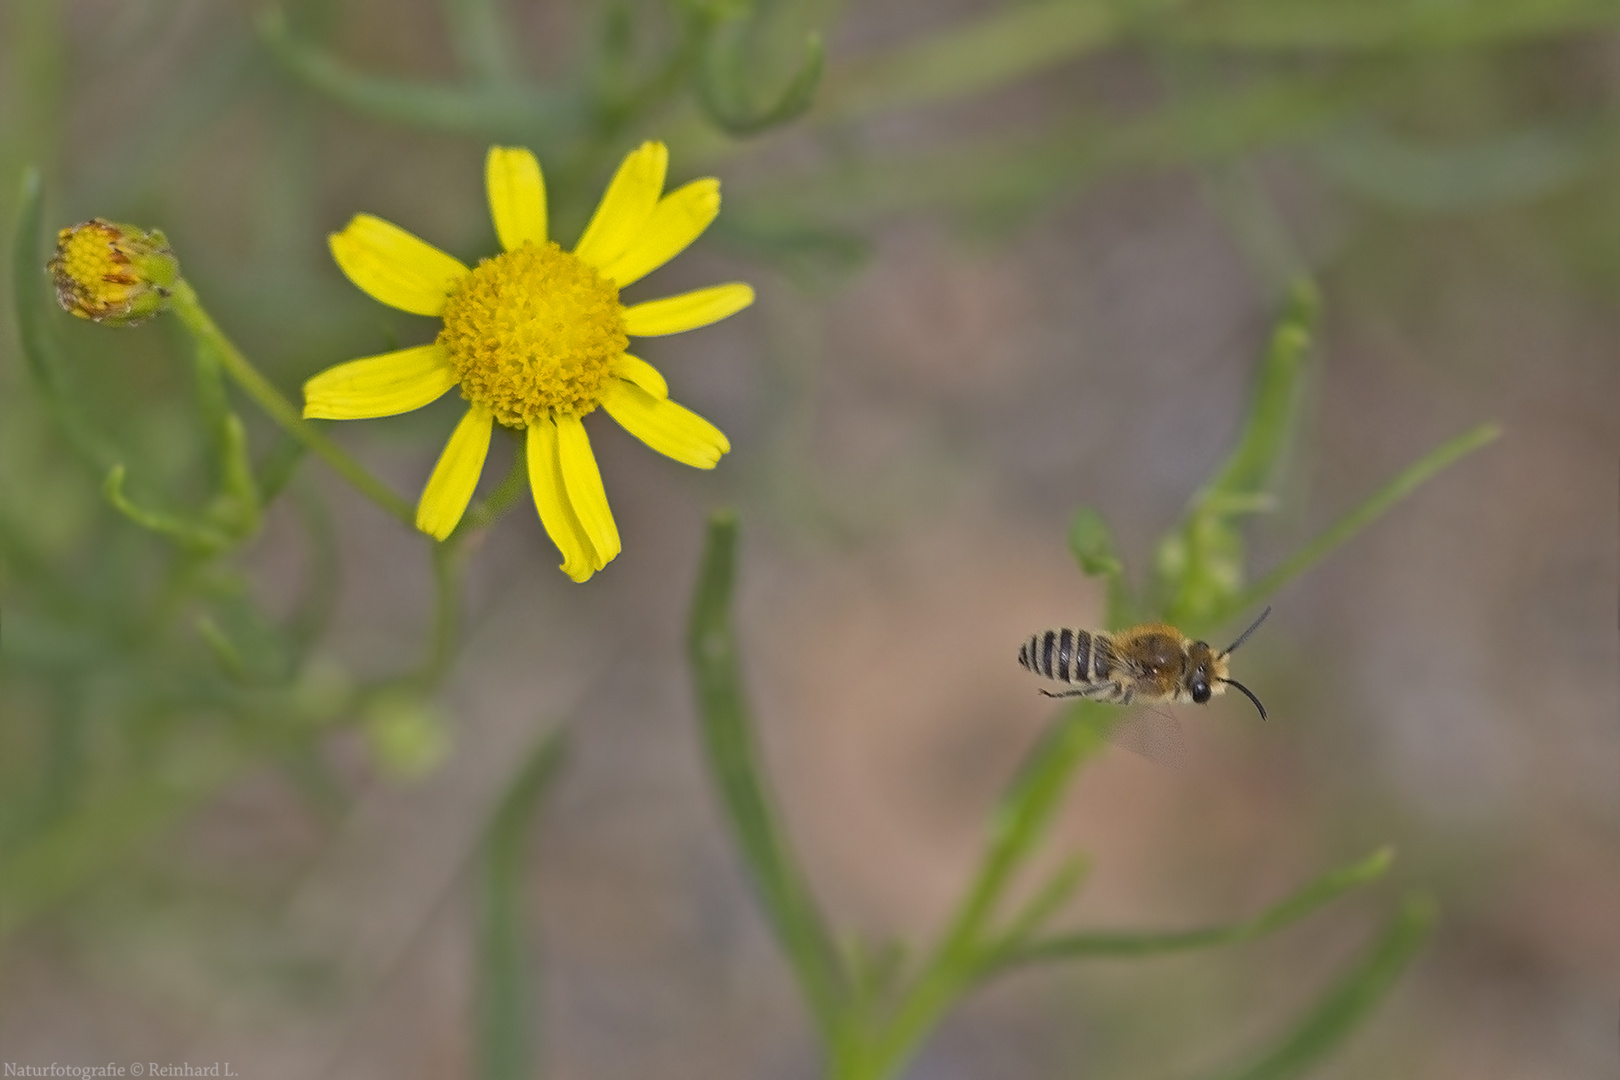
(1154,735)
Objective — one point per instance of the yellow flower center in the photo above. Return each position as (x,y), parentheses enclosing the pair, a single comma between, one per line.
(91,260)
(532,333)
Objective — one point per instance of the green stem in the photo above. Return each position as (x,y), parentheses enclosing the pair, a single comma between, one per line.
(1345,1004)
(488,511)
(504,982)
(481,40)
(962,953)
(734,764)
(446,613)
(1316,894)
(184,303)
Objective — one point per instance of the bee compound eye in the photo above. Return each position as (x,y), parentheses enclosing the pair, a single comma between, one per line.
(1200,692)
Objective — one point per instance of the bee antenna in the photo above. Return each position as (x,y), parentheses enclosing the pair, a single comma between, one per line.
(1232,648)
(1246,691)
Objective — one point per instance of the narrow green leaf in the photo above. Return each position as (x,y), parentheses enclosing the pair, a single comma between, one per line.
(193,536)
(505,991)
(1252,465)
(277,467)
(1017,826)
(1323,890)
(1466,176)
(317,599)
(974,57)
(225,651)
(488,510)
(1051,896)
(50,865)
(1006,177)
(235,507)
(186,306)
(1381,25)
(1368,512)
(40,349)
(1025,811)
(1349,1001)
(500,111)
(1200,566)
(733,761)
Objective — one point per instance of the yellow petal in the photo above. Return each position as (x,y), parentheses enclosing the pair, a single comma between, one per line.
(625,208)
(642,374)
(383,385)
(450,488)
(680,218)
(688,311)
(551,501)
(583,481)
(665,426)
(517,196)
(393,266)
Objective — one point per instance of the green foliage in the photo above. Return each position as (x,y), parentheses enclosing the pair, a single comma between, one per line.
(872,1011)
(1200,578)
(139,673)
(873,1016)
(159,676)
(728,737)
(505,1013)
(722,80)
(1348,1001)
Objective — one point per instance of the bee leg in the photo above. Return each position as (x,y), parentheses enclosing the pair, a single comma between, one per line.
(1068,693)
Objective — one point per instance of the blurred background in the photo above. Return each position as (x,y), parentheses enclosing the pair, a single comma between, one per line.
(1014,259)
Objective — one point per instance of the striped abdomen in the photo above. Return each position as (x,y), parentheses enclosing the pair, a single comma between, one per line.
(1071,656)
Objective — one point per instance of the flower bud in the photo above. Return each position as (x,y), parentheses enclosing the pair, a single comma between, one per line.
(111,273)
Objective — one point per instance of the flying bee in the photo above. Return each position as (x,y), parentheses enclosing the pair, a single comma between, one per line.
(1148,664)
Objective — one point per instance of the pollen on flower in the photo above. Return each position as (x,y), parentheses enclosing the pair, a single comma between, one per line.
(112,273)
(534,332)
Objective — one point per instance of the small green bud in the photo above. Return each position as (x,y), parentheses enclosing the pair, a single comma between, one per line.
(110,273)
(408,736)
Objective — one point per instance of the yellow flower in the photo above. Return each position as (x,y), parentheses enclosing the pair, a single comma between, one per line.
(112,273)
(535,338)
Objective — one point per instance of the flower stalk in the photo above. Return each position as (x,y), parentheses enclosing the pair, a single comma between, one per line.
(185,305)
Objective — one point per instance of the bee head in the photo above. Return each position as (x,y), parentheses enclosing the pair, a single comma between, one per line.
(1209,673)
(1206,671)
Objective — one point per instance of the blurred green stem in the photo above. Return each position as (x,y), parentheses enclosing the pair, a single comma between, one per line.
(447,564)
(1093,944)
(486,512)
(733,761)
(184,303)
(505,992)
(39,345)
(1365,514)
(481,39)
(961,956)
(1348,1001)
